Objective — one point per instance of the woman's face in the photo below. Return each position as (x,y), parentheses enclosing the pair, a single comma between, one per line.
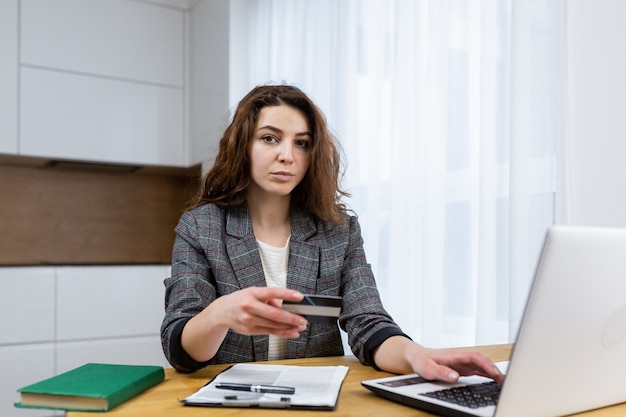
(279,151)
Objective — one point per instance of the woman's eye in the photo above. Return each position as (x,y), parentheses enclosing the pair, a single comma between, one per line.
(303,144)
(269,139)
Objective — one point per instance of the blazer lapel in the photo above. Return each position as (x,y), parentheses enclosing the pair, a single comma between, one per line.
(242,248)
(245,260)
(304,256)
(303,268)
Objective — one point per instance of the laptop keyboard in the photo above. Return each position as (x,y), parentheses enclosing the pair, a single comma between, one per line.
(472,396)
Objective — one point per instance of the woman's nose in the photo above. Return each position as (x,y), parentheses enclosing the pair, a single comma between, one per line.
(286,152)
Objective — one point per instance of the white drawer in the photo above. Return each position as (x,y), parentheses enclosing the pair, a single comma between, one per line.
(109,302)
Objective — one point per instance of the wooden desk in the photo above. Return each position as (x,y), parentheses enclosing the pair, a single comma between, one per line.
(354,400)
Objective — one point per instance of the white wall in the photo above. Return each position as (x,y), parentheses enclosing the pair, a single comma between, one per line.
(597,110)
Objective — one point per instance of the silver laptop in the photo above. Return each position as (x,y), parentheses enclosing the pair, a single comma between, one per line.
(570,352)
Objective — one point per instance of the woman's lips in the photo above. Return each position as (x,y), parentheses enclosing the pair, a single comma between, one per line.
(282,175)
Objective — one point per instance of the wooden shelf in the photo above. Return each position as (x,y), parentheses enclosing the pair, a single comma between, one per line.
(75,213)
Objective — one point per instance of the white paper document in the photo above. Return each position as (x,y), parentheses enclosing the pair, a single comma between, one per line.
(316,387)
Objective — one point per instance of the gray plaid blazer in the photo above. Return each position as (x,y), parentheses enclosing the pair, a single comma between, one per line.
(215,253)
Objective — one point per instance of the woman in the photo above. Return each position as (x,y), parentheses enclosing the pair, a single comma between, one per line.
(268,225)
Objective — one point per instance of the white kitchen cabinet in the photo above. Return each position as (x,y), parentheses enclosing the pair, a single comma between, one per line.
(142,83)
(103,81)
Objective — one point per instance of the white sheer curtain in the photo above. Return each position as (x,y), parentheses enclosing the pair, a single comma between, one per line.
(449,113)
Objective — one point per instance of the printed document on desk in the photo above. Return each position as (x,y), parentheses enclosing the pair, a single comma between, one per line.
(316,387)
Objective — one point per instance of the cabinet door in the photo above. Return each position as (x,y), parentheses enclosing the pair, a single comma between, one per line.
(112,38)
(27,306)
(77,117)
(8,77)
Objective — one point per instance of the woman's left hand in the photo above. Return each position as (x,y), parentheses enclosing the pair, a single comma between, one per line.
(400,355)
(447,365)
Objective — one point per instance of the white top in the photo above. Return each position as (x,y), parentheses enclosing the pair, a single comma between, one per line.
(275,262)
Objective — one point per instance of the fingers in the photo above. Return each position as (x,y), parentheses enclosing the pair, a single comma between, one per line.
(275,293)
(478,364)
(449,365)
(268,319)
(485,367)
(430,369)
(266,303)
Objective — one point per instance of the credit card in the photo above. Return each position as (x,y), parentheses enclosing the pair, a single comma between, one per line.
(316,308)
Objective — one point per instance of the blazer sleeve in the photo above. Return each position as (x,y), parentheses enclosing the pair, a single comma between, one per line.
(190,288)
(363,316)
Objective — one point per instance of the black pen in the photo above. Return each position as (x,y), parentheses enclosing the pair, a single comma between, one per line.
(273,389)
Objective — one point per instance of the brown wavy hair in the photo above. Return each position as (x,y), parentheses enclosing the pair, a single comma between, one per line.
(319,192)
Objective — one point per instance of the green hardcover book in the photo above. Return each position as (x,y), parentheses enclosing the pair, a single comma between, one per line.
(91,387)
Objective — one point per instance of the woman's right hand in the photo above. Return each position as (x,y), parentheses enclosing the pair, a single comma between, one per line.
(257,310)
(250,311)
